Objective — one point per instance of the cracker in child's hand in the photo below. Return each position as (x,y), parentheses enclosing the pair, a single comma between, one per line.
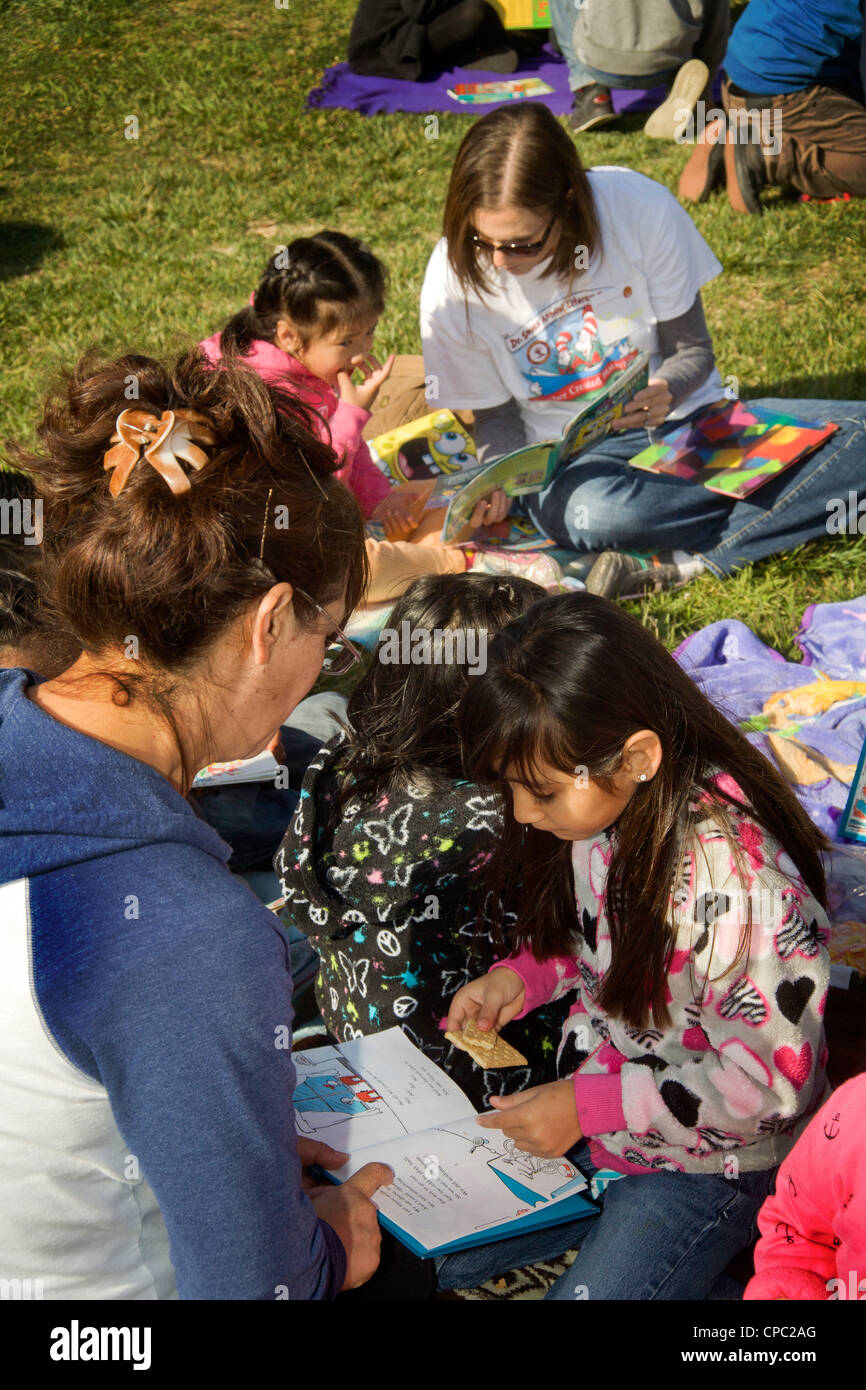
(487,1049)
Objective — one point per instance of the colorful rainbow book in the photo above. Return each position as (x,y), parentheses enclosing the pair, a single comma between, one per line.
(734,448)
(508,89)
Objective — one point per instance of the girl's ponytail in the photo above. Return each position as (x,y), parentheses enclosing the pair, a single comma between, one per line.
(240,333)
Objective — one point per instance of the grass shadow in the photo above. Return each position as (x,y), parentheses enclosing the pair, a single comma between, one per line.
(830,386)
(24,245)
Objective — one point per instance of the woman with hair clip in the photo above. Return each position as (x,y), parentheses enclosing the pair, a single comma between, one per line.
(147,1139)
(548,281)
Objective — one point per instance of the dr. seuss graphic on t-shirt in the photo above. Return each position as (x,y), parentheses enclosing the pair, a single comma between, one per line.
(561,353)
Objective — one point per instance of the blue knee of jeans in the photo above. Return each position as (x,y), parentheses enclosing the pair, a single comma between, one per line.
(594,511)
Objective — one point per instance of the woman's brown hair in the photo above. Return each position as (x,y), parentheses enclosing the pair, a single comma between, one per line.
(174,571)
(567,684)
(519,157)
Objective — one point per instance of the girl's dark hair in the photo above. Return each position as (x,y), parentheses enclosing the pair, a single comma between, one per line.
(521,157)
(19,607)
(318,282)
(567,684)
(403,717)
(175,571)
(26,638)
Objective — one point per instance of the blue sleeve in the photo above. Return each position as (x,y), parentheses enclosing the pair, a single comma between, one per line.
(185,1018)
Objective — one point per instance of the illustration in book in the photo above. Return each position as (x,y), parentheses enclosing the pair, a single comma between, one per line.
(532,467)
(513,89)
(455,1182)
(434,446)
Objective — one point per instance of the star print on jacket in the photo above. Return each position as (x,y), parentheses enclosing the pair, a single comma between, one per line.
(391,898)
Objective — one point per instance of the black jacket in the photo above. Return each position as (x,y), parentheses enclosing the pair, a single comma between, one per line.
(391,900)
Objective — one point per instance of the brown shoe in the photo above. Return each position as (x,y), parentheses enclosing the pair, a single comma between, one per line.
(705,169)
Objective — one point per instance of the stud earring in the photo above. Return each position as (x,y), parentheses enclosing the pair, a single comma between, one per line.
(641,777)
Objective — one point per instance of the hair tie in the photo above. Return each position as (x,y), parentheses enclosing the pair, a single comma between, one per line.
(162,440)
(253,298)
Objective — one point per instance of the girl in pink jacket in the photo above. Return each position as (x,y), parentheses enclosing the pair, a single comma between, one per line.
(813,1227)
(309,327)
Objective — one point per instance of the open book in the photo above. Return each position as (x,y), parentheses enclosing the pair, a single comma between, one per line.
(532,467)
(262,768)
(456,1184)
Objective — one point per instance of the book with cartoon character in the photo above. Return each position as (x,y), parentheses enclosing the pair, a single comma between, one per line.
(532,467)
(455,1184)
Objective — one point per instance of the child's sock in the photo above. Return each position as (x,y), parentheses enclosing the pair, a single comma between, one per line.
(687,564)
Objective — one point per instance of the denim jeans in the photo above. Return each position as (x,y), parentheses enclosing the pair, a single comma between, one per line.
(599,503)
(660,1236)
(563,17)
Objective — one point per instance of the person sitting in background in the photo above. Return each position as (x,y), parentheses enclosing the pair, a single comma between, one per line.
(413,39)
(640,43)
(794,107)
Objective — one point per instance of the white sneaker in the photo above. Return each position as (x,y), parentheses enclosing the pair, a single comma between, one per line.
(536,565)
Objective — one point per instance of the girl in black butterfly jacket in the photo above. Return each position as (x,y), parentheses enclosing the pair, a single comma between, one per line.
(383,863)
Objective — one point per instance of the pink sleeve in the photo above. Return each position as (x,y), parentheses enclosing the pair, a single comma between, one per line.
(359,472)
(796,1257)
(598,1100)
(544,979)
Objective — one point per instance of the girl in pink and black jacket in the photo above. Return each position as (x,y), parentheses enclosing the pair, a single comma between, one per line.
(673,888)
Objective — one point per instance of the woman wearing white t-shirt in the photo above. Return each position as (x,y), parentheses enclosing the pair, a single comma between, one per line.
(548,281)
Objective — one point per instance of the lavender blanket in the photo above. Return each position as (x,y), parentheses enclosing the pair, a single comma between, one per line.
(340,87)
(815,726)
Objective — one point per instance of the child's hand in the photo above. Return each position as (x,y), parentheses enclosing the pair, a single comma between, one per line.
(650,407)
(491,1000)
(276,746)
(364,394)
(403,508)
(488,512)
(542,1121)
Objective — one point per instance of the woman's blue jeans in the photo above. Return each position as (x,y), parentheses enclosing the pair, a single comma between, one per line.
(660,1236)
(599,502)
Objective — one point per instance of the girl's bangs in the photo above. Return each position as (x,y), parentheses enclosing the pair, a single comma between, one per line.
(519,745)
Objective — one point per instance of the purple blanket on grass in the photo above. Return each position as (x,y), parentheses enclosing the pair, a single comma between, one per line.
(342,88)
(817,726)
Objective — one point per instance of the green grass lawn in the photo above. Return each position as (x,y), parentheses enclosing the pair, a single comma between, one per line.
(150,243)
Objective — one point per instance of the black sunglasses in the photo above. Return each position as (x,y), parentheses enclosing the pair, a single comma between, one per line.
(513,248)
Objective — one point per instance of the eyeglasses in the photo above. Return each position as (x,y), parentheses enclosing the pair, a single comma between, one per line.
(513,248)
(344,654)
